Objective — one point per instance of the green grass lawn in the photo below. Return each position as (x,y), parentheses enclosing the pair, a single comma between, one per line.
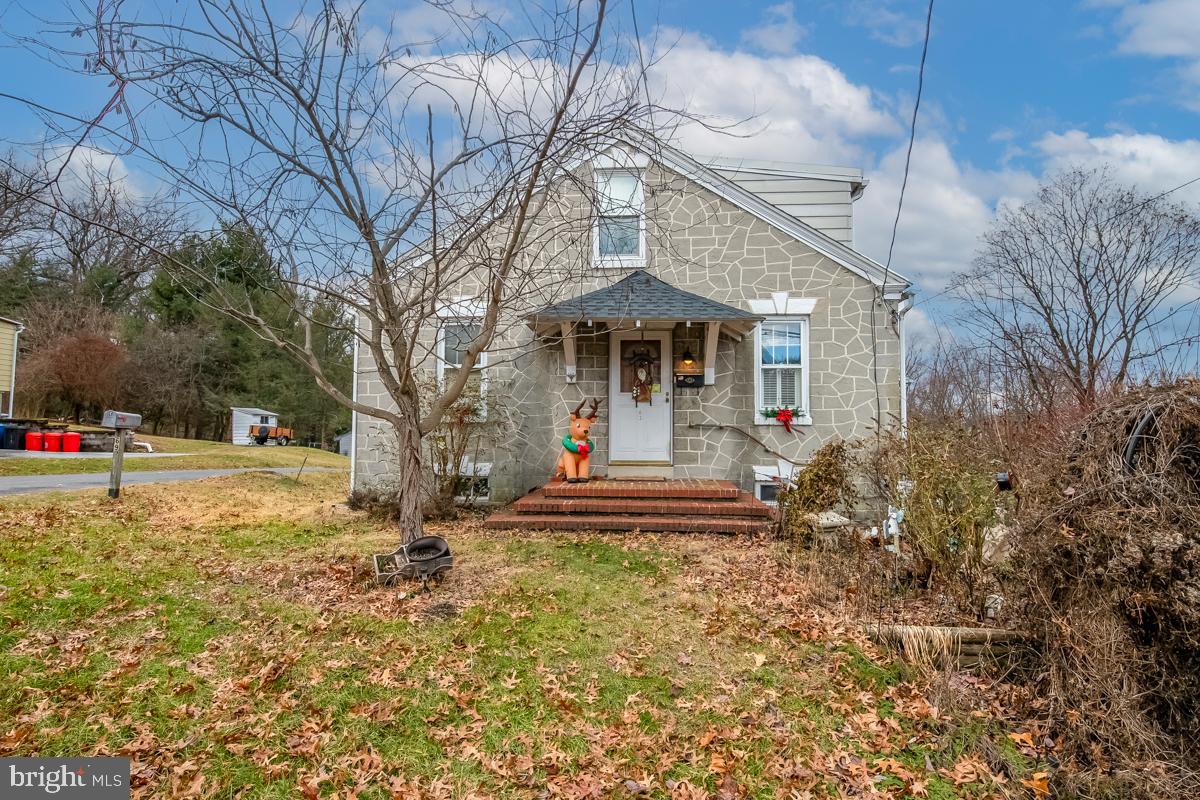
(201,455)
(227,637)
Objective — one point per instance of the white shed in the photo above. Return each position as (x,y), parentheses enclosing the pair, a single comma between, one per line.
(342,442)
(243,418)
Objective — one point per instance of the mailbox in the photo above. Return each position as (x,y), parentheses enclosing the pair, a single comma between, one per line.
(689,381)
(121,420)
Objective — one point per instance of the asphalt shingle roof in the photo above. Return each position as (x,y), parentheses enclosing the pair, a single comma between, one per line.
(640,295)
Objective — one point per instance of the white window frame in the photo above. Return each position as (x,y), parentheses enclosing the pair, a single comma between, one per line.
(619,260)
(805,379)
(480,363)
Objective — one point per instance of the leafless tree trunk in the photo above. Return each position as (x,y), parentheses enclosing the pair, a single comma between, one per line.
(1083,288)
(396,171)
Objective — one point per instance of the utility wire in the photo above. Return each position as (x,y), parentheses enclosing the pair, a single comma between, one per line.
(912,138)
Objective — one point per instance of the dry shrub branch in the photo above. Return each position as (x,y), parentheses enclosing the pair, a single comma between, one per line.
(826,483)
(1110,544)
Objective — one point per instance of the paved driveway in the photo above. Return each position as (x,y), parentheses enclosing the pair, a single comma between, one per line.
(28,484)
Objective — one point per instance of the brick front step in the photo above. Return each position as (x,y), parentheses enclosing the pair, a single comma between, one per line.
(745,505)
(688,489)
(625,522)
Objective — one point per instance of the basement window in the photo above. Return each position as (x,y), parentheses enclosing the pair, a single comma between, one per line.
(620,203)
(767,485)
(474,484)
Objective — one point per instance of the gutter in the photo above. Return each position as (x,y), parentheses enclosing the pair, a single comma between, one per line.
(354,412)
(905,306)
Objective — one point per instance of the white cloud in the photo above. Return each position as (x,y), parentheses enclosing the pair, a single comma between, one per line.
(807,110)
(922,331)
(799,107)
(946,208)
(1151,162)
(779,31)
(83,166)
(884,23)
(1161,28)
(1165,29)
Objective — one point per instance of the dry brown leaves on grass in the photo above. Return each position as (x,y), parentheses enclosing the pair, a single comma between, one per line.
(343,581)
(588,666)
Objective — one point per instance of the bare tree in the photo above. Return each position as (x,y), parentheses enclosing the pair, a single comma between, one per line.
(17,208)
(1084,287)
(98,238)
(394,170)
(950,382)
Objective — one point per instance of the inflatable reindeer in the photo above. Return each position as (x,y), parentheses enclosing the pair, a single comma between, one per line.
(577,447)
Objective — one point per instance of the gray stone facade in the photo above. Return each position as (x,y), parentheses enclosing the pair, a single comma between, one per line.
(704,244)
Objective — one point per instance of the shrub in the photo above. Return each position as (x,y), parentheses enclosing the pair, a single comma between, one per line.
(946,484)
(1110,544)
(826,483)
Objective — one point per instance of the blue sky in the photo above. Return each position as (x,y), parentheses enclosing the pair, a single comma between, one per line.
(1014,90)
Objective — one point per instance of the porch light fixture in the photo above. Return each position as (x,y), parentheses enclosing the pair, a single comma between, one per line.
(688,359)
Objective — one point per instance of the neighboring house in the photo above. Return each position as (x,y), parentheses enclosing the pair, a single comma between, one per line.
(10,335)
(734,283)
(342,443)
(243,418)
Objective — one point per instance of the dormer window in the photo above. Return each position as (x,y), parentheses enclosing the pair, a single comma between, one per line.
(620,204)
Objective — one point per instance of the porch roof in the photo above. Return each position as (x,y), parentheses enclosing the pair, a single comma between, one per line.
(641,296)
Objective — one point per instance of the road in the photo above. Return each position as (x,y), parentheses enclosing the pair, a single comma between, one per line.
(28,484)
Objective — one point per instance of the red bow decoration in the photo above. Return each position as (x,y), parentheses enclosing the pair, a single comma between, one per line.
(784,417)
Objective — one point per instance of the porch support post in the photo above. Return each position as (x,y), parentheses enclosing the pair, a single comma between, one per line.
(568,340)
(711,329)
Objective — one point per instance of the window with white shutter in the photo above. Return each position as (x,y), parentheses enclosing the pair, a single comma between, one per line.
(781,369)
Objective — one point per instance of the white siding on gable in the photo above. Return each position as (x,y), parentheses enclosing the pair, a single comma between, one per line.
(825,204)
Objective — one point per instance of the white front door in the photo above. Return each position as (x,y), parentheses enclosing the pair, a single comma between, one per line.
(639,429)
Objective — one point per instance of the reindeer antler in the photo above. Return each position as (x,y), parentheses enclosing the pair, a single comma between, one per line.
(578,408)
(595,408)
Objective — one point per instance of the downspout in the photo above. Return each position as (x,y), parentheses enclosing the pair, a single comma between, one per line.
(901,310)
(353,413)
(12,379)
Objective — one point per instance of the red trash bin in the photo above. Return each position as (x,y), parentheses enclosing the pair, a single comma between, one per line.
(71,441)
(33,441)
(53,441)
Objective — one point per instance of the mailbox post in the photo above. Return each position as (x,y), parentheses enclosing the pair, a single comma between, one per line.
(119,421)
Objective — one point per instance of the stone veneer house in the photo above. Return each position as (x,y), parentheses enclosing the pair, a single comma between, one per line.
(734,285)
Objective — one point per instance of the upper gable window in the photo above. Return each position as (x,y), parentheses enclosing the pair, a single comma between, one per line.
(620,203)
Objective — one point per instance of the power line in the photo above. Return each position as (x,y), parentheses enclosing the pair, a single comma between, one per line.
(912,138)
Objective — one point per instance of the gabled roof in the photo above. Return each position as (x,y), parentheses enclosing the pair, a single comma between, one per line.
(787,169)
(709,178)
(637,296)
(248,410)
